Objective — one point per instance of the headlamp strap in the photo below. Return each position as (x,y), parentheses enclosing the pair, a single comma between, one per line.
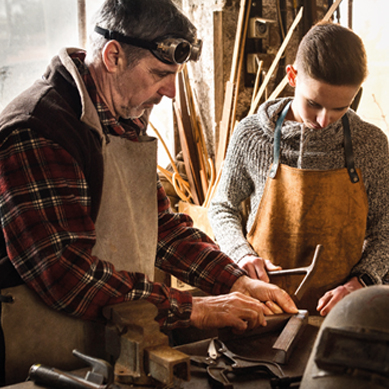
(117,36)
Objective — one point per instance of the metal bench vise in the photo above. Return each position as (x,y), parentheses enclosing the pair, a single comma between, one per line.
(141,351)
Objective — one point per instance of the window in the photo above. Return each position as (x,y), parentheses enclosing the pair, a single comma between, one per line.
(33,31)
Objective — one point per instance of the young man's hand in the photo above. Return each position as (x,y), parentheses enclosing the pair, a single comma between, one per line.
(332,297)
(244,308)
(257,267)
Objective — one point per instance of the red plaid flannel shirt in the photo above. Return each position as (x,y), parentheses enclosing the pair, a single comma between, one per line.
(49,235)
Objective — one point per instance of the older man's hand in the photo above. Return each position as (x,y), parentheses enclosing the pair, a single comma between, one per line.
(244,308)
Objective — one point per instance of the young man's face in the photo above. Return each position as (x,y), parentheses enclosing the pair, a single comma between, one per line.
(143,86)
(316,103)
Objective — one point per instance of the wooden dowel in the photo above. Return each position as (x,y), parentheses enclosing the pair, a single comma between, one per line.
(331,11)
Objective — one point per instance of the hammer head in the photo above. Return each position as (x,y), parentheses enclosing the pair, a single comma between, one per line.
(102,371)
(310,271)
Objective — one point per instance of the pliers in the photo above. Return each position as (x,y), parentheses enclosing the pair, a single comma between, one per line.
(221,361)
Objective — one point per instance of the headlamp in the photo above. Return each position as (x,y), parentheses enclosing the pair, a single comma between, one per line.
(169,49)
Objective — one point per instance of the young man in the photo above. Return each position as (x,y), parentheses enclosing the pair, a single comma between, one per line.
(315,173)
(84,220)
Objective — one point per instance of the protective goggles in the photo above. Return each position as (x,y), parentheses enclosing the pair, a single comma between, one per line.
(169,50)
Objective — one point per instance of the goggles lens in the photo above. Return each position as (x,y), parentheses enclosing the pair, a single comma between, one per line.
(173,50)
(169,50)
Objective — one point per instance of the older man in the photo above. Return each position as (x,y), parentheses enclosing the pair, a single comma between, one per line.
(83,216)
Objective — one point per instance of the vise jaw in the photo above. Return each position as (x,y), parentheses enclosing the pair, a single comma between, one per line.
(142,353)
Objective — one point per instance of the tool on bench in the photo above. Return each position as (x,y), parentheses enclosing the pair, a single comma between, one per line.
(221,361)
(309,272)
(289,336)
(100,377)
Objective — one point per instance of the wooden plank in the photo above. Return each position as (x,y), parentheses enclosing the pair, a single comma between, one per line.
(218,64)
(197,131)
(186,137)
(185,153)
(232,86)
(225,124)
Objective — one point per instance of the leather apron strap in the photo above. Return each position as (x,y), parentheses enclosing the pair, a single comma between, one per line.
(126,229)
(302,208)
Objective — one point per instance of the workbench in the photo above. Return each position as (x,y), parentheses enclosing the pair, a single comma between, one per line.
(255,347)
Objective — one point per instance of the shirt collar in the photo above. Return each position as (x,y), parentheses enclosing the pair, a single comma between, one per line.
(110,124)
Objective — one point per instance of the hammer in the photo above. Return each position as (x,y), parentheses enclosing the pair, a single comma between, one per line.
(309,271)
(100,377)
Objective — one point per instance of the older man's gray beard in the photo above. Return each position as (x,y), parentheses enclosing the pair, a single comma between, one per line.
(150,102)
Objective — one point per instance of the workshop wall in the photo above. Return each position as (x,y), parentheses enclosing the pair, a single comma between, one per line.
(217,23)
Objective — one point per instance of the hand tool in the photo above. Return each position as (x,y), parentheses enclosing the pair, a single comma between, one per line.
(309,272)
(100,377)
(221,361)
(288,338)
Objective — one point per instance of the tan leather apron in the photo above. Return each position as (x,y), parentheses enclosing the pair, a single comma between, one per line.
(126,231)
(302,208)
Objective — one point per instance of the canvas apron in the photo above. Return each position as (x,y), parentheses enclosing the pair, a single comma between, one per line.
(126,231)
(302,208)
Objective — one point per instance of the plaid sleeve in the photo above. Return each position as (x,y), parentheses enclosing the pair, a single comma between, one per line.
(49,235)
(191,255)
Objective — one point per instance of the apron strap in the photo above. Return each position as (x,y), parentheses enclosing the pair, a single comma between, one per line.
(348,149)
(277,140)
(347,145)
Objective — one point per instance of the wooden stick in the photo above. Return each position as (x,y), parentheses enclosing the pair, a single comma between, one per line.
(232,86)
(165,147)
(332,9)
(178,183)
(280,87)
(275,62)
(214,186)
(256,83)
(186,154)
(187,137)
(238,39)
(202,154)
(211,184)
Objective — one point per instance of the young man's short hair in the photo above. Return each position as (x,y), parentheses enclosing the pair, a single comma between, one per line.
(333,54)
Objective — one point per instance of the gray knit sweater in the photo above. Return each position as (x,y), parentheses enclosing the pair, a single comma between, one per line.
(250,154)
